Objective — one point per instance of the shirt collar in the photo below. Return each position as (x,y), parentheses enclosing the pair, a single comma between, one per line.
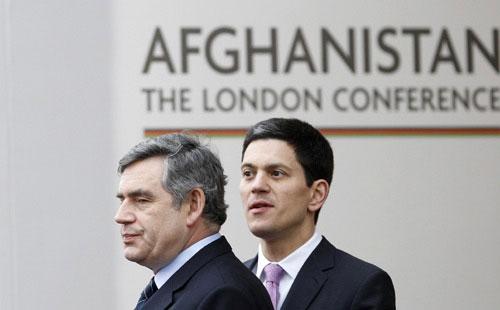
(294,261)
(162,276)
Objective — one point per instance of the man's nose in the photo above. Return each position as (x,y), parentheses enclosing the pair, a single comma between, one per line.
(260,183)
(124,214)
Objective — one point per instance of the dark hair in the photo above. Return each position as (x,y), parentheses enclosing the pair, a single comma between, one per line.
(312,149)
(188,165)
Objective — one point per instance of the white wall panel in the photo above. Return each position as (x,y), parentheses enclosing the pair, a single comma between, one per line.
(57,140)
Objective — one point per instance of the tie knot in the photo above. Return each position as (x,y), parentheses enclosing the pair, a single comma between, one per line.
(273,273)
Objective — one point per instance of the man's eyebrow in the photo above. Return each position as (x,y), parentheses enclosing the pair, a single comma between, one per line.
(246,165)
(269,166)
(275,166)
(136,193)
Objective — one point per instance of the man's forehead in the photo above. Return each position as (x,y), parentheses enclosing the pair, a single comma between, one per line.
(269,152)
(146,167)
(270,143)
(144,172)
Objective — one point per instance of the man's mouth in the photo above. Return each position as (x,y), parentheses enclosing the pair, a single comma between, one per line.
(259,206)
(129,237)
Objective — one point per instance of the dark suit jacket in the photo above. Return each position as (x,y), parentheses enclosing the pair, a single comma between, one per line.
(333,279)
(212,279)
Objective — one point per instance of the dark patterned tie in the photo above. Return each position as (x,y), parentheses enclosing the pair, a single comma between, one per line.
(148,291)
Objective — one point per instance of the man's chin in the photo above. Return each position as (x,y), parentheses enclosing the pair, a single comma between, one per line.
(133,255)
(261,231)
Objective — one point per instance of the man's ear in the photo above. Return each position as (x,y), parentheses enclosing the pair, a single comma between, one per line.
(319,192)
(195,202)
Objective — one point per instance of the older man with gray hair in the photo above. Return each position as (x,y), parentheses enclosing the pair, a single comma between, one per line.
(172,206)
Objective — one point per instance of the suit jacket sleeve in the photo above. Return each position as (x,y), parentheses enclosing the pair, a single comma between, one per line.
(376,293)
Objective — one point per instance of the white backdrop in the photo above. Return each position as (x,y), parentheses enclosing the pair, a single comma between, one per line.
(423,207)
(56,175)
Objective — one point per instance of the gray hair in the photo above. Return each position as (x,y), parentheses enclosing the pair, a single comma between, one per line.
(188,165)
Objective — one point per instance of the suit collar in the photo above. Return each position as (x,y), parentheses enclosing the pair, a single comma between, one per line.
(162,276)
(252,263)
(311,276)
(293,261)
(163,297)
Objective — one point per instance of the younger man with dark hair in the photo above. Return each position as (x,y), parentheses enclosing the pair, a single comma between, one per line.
(287,168)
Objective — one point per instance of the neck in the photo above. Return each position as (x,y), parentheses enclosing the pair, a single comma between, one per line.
(201,232)
(276,249)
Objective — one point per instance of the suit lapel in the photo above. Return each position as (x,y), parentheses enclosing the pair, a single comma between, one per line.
(251,263)
(311,277)
(164,297)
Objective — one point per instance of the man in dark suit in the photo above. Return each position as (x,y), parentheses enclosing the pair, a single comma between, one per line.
(287,168)
(172,207)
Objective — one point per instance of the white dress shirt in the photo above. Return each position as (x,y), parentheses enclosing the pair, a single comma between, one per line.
(291,264)
(162,276)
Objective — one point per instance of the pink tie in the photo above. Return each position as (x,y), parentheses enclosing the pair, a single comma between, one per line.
(273,275)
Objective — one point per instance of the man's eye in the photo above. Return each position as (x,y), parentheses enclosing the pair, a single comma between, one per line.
(246,173)
(277,173)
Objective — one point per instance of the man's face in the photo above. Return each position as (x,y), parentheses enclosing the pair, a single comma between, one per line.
(274,192)
(153,230)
